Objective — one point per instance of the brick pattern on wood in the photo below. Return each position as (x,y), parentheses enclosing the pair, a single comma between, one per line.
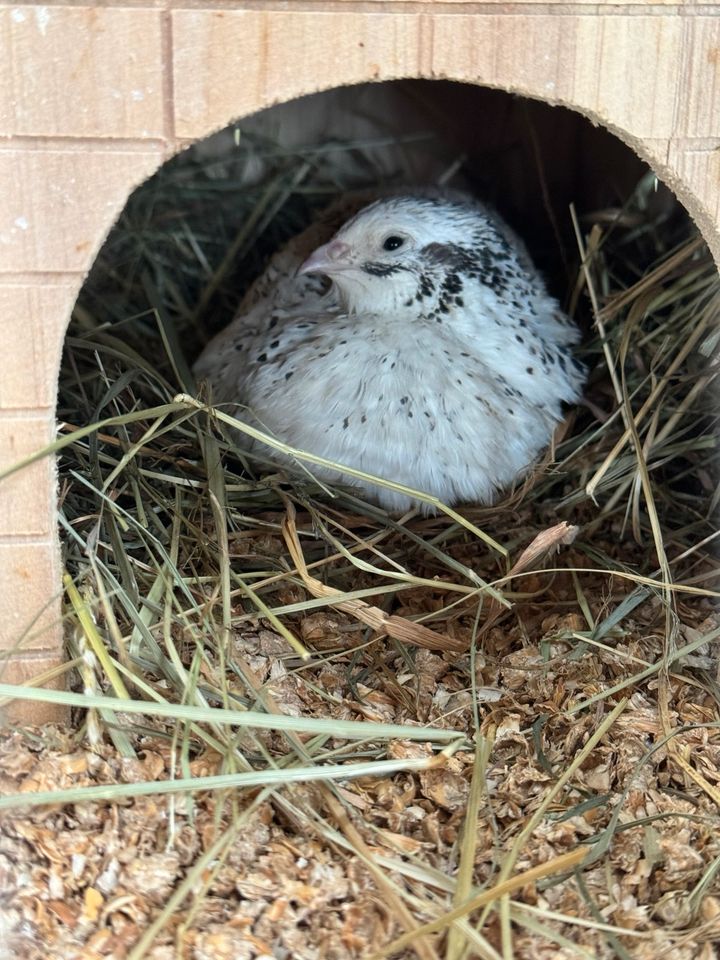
(699,166)
(277,56)
(58,204)
(29,592)
(33,318)
(698,113)
(20,514)
(26,669)
(111,57)
(92,97)
(603,67)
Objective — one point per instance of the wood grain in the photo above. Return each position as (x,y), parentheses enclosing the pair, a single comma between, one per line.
(94,96)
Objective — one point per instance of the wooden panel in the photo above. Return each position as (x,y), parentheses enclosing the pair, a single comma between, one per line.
(699,168)
(41,312)
(75,72)
(232,63)
(56,205)
(22,670)
(427,6)
(699,103)
(80,71)
(619,69)
(25,497)
(527,3)
(29,592)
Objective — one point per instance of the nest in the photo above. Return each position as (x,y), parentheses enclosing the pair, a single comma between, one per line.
(306,728)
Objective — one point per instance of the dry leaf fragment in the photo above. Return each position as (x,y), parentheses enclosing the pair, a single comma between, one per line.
(393,626)
(546,542)
(445,788)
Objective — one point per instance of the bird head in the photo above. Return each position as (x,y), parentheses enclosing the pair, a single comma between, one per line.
(392,256)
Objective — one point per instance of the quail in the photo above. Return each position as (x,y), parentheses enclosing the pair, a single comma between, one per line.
(413,340)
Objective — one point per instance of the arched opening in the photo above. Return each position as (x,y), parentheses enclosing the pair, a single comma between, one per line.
(218,581)
(195,236)
(527,159)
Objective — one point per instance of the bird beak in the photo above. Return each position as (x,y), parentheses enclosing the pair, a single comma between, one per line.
(327,259)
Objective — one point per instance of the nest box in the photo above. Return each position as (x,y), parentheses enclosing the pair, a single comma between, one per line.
(94,98)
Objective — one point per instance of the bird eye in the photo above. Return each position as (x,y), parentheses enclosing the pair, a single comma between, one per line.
(393,242)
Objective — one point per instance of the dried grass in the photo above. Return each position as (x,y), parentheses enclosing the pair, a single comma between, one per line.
(305,728)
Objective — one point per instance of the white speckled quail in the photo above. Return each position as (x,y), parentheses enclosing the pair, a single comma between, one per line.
(436,358)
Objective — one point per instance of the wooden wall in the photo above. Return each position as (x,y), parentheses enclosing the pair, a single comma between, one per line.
(93,98)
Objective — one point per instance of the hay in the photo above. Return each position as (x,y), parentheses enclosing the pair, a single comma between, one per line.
(492,732)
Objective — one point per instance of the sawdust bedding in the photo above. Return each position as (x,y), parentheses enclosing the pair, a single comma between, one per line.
(576,813)
(87,879)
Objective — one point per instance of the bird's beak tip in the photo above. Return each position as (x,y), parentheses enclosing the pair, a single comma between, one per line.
(307,266)
(327,259)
